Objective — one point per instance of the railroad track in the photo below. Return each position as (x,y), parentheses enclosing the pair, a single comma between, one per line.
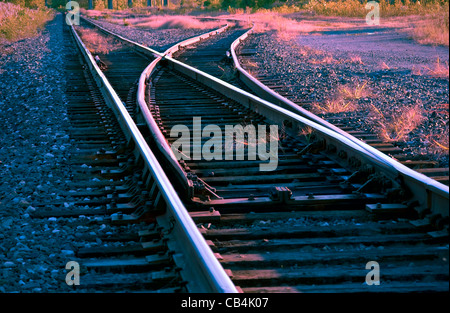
(115,174)
(213,56)
(245,57)
(311,223)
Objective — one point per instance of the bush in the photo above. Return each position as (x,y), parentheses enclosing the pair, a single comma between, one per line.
(18,23)
(433,29)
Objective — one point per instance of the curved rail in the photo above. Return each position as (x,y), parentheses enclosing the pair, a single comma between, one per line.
(430,193)
(193,40)
(203,272)
(161,143)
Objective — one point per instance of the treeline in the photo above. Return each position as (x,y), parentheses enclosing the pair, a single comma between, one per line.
(39,4)
(255,4)
(32,4)
(217,4)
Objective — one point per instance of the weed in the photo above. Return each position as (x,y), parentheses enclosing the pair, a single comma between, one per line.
(97,43)
(439,70)
(335,106)
(384,66)
(356,92)
(308,133)
(397,127)
(356,60)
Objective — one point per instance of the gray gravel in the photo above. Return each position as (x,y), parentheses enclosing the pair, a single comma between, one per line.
(33,124)
(297,63)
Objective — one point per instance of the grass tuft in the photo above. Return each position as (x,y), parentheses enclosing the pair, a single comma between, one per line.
(354,92)
(336,106)
(17,23)
(439,70)
(97,43)
(399,125)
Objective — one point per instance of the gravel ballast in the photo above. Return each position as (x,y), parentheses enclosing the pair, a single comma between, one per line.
(34,138)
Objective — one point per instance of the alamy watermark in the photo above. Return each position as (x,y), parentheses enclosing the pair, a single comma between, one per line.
(373,277)
(73,276)
(373,17)
(73,13)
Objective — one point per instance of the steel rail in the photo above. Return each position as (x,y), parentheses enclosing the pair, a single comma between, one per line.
(160,141)
(201,269)
(429,192)
(193,40)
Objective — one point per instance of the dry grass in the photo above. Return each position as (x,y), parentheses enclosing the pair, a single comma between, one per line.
(18,23)
(344,100)
(334,106)
(167,22)
(91,13)
(439,70)
(97,43)
(303,52)
(251,64)
(287,29)
(356,8)
(349,92)
(384,66)
(433,29)
(350,8)
(397,127)
(328,59)
(356,60)
(439,142)
(283,9)
(416,71)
